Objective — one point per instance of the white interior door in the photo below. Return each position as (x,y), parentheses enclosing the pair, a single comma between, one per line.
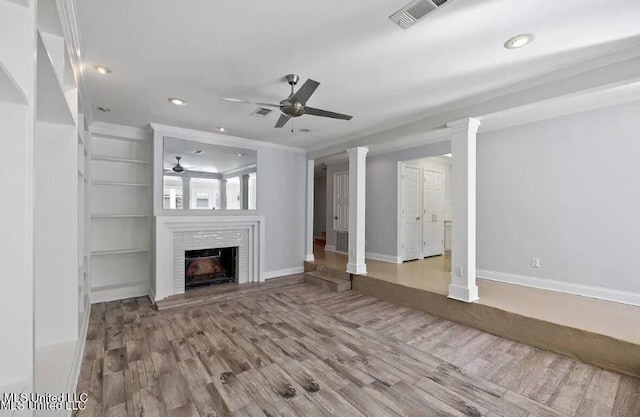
(411,213)
(433,213)
(341,201)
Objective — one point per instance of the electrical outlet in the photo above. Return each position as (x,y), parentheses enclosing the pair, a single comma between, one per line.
(535,262)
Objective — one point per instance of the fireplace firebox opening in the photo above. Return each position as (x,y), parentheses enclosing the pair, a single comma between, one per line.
(210,266)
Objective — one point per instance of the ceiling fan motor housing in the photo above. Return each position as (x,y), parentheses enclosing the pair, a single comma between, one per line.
(291,108)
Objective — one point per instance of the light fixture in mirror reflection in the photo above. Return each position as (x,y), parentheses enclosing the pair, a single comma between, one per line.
(202,176)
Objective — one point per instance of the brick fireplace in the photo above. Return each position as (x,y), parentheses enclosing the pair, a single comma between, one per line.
(178,237)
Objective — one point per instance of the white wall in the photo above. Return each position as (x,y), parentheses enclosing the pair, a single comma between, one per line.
(281,182)
(564,190)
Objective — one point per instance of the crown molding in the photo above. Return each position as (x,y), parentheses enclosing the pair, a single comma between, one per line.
(120,131)
(236,141)
(597,75)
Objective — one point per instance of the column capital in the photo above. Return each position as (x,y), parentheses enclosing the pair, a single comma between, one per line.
(358,151)
(469,124)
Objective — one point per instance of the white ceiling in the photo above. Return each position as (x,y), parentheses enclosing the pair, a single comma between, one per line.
(215,159)
(203,50)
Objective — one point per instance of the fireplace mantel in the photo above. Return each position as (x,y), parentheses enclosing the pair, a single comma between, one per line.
(174,234)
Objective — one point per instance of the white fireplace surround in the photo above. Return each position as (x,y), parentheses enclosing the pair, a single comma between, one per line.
(176,234)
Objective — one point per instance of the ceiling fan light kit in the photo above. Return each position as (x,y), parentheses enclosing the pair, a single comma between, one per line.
(296,104)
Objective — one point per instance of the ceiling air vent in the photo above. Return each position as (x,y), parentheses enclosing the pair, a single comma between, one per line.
(415,11)
(261,112)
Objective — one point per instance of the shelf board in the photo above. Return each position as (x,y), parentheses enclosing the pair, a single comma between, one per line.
(118,216)
(120,184)
(113,159)
(118,251)
(52,104)
(10,91)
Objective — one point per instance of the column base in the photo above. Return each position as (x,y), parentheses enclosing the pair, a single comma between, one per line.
(466,294)
(357,269)
(309,258)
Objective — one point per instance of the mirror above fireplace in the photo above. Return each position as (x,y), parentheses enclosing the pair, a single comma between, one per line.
(205,176)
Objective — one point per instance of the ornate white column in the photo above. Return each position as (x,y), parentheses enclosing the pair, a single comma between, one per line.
(186,192)
(357,195)
(309,226)
(244,190)
(223,194)
(463,186)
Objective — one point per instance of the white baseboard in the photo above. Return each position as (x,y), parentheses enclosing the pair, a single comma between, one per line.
(76,365)
(330,248)
(283,272)
(118,292)
(600,293)
(383,258)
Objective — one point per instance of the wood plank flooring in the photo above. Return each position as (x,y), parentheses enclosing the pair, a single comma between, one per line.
(298,350)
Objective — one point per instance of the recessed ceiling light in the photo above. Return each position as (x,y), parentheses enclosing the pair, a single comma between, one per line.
(177,101)
(241,154)
(220,129)
(104,109)
(102,69)
(305,130)
(519,41)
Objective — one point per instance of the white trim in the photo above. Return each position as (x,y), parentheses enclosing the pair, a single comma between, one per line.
(284,272)
(383,258)
(119,131)
(399,233)
(603,73)
(76,364)
(330,248)
(113,293)
(607,294)
(357,269)
(235,141)
(309,238)
(465,294)
(69,22)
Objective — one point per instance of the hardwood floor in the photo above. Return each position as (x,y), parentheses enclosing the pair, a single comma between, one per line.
(297,350)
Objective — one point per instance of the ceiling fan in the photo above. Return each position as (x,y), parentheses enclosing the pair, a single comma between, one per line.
(296,104)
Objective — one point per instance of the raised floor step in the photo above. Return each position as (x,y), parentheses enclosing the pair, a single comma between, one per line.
(327,281)
(337,273)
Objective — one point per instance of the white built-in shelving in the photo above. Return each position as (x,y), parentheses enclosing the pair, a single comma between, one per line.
(121,216)
(47,222)
(10,90)
(17,119)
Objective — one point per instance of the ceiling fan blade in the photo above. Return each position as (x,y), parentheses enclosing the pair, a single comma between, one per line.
(325,113)
(257,103)
(304,92)
(282,120)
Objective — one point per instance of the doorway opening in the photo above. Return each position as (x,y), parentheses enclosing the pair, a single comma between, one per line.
(424,208)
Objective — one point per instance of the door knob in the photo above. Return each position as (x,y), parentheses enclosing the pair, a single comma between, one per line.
(336,217)
(417,218)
